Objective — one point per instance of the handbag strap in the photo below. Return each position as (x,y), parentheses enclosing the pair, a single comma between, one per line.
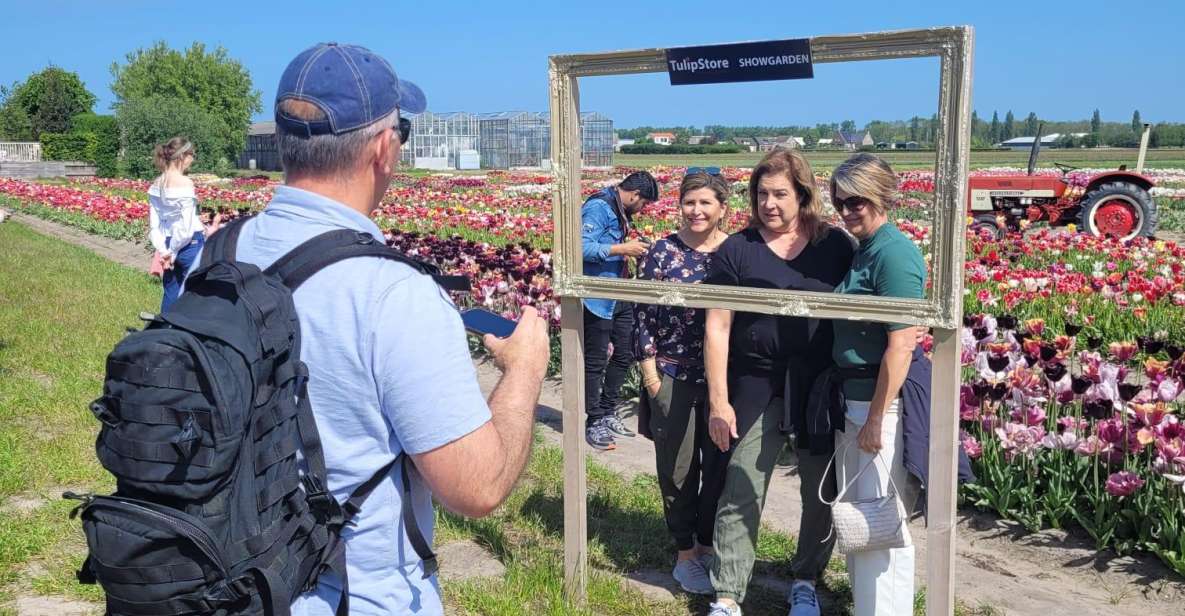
(839,496)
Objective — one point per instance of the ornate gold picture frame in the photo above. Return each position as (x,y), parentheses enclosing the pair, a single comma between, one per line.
(942,309)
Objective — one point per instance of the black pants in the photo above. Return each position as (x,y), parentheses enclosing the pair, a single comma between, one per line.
(691,469)
(604,375)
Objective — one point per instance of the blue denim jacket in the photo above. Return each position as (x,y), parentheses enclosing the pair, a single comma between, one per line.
(600,229)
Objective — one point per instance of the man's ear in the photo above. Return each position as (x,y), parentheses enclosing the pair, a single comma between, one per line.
(383,156)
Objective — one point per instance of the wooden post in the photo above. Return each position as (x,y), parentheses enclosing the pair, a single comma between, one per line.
(1143,147)
(575,485)
(944,473)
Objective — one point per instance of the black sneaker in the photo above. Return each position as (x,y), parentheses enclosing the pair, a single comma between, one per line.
(616,426)
(599,437)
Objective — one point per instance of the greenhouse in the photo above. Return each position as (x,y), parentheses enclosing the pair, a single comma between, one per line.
(442,141)
(523,139)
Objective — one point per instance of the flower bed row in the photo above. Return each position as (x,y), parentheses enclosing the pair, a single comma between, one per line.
(1072,350)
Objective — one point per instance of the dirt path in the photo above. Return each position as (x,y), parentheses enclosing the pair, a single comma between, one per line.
(1052,573)
(127,253)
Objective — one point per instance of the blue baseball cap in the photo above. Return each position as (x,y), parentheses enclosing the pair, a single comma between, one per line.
(354,86)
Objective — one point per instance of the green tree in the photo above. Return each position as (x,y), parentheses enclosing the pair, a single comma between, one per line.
(213,81)
(146,122)
(1008,130)
(915,128)
(105,129)
(994,129)
(15,124)
(1031,124)
(49,99)
(1137,125)
(848,126)
(1096,122)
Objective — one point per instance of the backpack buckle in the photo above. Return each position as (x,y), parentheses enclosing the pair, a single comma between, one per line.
(101,412)
(363,238)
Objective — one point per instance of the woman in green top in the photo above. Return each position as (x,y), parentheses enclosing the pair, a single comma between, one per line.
(887,263)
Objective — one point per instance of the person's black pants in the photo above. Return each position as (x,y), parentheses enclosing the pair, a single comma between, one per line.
(604,374)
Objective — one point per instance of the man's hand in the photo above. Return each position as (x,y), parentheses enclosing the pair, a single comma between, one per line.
(166,262)
(527,349)
(632,248)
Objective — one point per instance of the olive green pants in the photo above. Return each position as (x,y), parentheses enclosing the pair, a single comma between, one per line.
(738,516)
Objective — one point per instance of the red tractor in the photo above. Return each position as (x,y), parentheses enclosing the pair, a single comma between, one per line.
(1115,203)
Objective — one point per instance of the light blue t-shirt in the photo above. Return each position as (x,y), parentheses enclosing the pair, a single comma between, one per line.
(389,371)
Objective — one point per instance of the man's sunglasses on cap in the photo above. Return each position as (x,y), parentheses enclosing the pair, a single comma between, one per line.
(707,170)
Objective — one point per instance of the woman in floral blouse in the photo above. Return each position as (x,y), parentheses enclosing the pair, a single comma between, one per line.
(671,351)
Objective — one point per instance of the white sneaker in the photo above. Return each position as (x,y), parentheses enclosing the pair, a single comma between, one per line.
(692,576)
(719,609)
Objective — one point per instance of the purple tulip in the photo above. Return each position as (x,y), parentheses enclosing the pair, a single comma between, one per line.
(1123,483)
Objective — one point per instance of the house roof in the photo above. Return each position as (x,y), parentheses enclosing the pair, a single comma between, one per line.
(1046,140)
(852,137)
(262,128)
(662,134)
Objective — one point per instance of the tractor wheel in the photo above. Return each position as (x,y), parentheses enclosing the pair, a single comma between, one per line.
(987,222)
(1118,209)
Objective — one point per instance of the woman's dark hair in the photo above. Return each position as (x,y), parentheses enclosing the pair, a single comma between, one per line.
(642,182)
(793,165)
(696,181)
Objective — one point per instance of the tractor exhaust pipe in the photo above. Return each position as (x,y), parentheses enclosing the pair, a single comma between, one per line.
(1143,147)
(1036,149)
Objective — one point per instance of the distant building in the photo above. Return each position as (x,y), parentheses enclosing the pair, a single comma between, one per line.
(748,143)
(853,141)
(661,138)
(1026,143)
(261,152)
(825,143)
(897,145)
(620,142)
(701,140)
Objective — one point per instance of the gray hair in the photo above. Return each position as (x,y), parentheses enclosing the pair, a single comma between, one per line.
(324,155)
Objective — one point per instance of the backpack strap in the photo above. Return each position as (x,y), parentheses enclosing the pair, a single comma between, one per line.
(330,247)
(354,504)
(224,243)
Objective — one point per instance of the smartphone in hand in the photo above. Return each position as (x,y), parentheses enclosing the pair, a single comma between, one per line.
(481,322)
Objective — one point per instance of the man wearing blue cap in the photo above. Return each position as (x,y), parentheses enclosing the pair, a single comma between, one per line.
(389,365)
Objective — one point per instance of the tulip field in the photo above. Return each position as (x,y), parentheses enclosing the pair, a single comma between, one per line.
(1073,397)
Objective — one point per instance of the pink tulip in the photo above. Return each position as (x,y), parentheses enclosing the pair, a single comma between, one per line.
(1123,483)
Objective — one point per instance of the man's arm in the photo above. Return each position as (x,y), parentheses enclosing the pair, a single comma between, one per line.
(475,473)
(594,217)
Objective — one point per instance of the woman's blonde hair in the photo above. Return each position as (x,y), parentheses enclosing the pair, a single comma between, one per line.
(867,176)
(794,166)
(171,151)
(716,183)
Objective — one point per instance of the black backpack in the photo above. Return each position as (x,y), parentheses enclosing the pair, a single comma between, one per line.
(203,413)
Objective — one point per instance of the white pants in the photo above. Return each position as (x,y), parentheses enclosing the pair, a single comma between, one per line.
(882,580)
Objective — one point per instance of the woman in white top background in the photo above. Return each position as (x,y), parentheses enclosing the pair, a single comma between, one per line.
(174,226)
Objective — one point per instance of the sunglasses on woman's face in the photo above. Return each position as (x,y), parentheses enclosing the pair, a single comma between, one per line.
(707,170)
(404,130)
(855,204)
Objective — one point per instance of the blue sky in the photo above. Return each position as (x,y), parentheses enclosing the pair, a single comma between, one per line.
(1059,58)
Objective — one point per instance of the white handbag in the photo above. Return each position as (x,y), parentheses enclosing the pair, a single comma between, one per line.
(865,525)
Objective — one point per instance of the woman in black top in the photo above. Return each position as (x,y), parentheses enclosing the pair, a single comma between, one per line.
(787,246)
